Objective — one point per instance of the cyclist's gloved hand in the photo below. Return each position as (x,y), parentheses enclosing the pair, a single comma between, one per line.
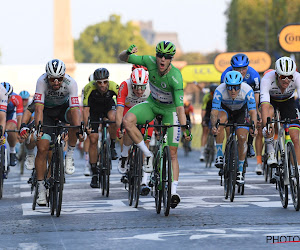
(24,131)
(187,135)
(132,49)
(2,140)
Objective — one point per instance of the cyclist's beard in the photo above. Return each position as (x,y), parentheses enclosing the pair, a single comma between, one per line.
(103,89)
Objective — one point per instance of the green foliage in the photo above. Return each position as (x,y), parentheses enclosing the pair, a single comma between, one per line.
(255,24)
(192,58)
(103,42)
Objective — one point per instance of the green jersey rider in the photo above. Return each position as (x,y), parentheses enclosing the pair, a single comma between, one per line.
(166,99)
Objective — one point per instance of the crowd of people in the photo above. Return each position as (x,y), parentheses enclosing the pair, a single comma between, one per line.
(154,87)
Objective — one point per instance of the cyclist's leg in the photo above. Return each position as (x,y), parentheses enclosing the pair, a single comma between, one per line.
(12,140)
(205,132)
(93,151)
(138,114)
(223,116)
(111,115)
(258,147)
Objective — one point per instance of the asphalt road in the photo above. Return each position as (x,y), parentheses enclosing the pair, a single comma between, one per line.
(203,219)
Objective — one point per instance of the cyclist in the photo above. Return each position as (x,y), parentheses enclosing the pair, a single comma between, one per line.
(3,109)
(230,103)
(25,98)
(166,98)
(24,129)
(13,120)
(56,97)
(132,91)
(240,62)
(98,103)
(277,91)
(189,113)
(206,109)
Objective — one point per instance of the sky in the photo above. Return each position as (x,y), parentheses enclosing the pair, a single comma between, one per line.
(26,27)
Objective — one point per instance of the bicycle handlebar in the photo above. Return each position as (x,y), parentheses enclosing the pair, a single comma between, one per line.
(252,125)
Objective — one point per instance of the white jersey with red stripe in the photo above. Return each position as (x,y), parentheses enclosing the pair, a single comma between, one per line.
(127,98)
(44,94)
(269,89)
(3,99)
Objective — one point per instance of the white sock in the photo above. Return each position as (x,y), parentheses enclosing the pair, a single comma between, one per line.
(124,152)
(202,149)
(144,148)
(145,178)
(174,187)
(86,156)
(70,151)
(30,151)
(41,185)
(12,149)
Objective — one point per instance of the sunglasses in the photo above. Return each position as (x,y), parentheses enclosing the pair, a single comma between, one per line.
(240,69)
(137,87)
(235,87)
(284,77)
(161,55)
(60,79)
(103,81)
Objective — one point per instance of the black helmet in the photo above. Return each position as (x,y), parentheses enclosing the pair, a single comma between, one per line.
(101,73)
(212,87)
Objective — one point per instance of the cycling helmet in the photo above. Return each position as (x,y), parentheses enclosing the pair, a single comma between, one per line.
(101,73)
(166,47)
(139,76)
(24,94)
(91,77)
(233,78)
(239,61)
(8,87)
(55,68)
(212,87)
(267,71)
(135,66)
(285,66)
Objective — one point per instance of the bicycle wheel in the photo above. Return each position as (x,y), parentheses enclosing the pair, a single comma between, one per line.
(210,148)
(233,164)
(2,166)
(35,188)
(51,180)
(157,182)
(60,179)
(138,161)
(293,174)
(166,180)
(106,169)
(226,170)
(282,188)
(130,175)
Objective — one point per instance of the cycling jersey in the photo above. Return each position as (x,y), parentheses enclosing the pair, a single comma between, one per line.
(271,91)
(94,99)
(252,78)
(3,99)
(15,104)
(45,95)
(166,89)
(166,94)
(245,96)
(206,98)
(126,96)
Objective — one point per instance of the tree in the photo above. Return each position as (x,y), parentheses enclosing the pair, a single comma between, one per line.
(255,24)
(103,42)
(192,58)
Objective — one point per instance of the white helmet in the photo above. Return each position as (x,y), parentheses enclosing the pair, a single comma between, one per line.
(55,68)
(285,66)
(139,76)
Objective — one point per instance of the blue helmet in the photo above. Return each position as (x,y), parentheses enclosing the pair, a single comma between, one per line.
(24,94)
(239,61)
(8,87)
(233,78)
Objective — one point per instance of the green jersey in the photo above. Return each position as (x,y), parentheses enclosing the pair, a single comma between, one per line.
(166,90)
